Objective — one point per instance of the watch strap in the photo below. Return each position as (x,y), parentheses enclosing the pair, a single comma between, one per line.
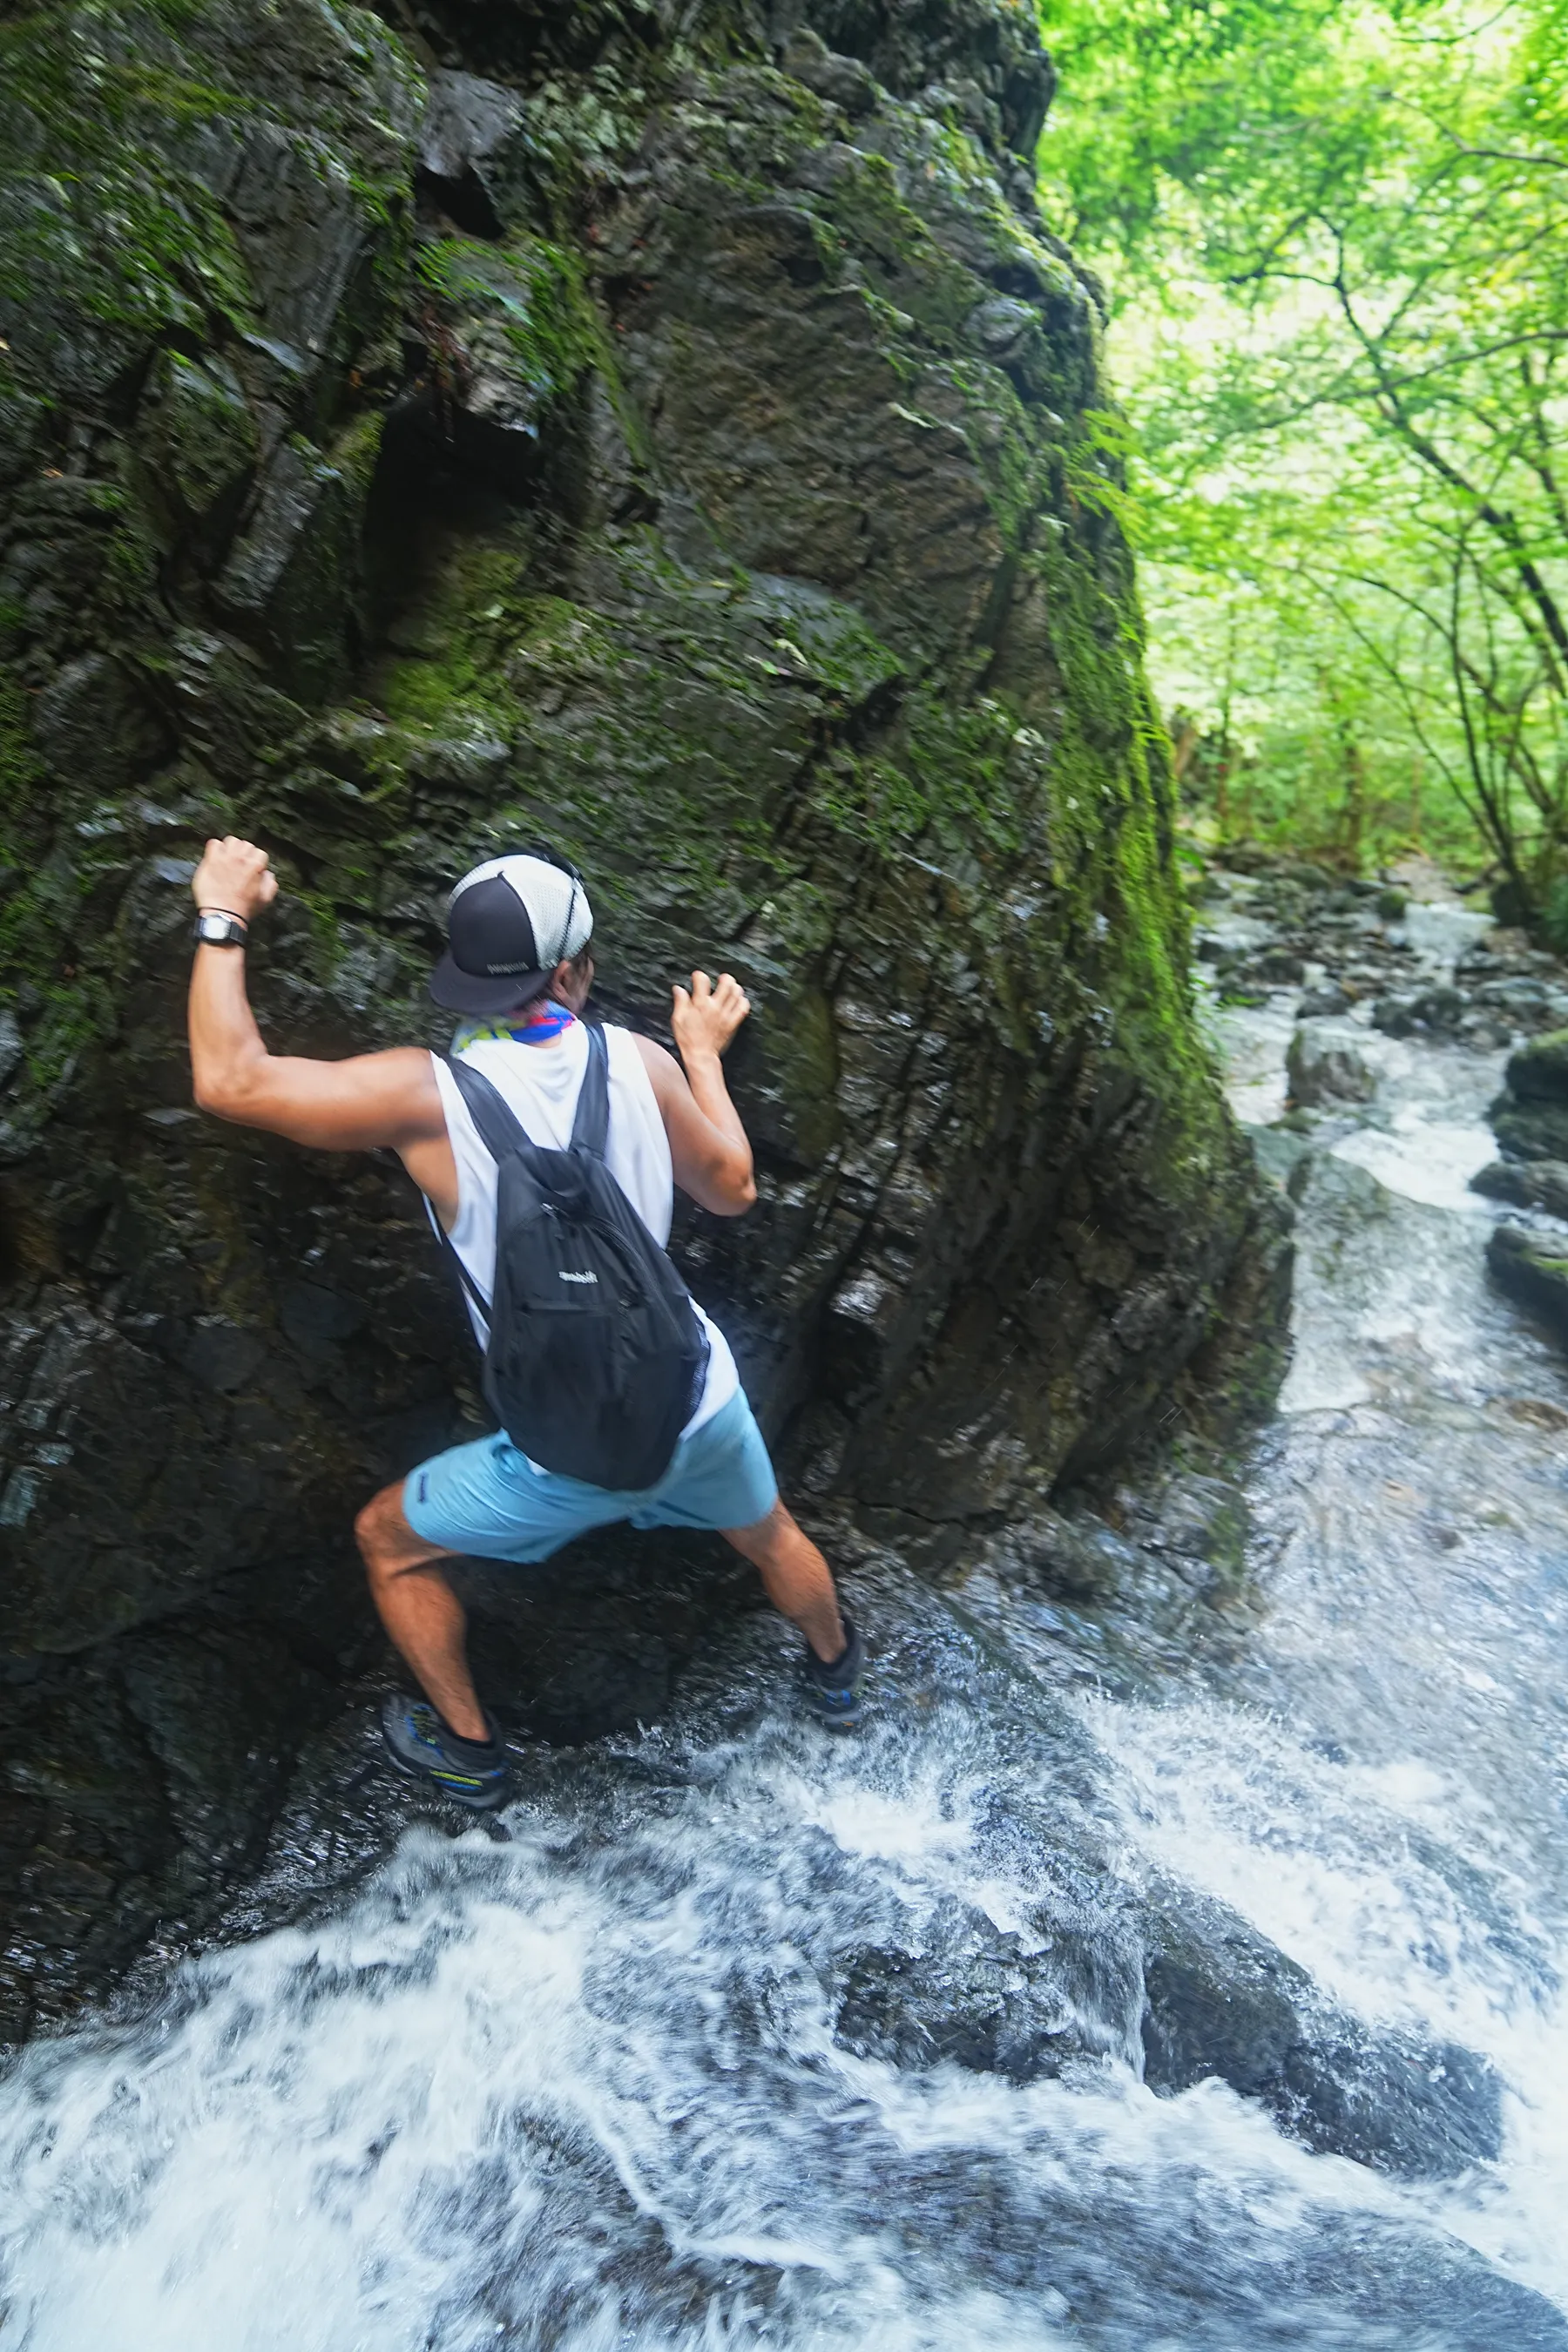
(214,927)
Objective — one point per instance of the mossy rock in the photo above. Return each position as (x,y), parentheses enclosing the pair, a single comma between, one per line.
(1533,1270)
(1532,1129)
(1539,1072)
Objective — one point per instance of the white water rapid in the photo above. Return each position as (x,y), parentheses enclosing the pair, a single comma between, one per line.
(590,2088)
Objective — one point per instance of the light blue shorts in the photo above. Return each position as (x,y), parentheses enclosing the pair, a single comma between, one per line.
(489,1501)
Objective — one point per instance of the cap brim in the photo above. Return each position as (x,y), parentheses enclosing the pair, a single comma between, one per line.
(467,991)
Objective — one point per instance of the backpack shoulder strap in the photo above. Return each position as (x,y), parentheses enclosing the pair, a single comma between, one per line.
(591,1127)
(499,1131)
(466,1282)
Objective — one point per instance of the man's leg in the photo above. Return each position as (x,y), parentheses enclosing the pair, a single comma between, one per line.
(420,1610)
(796,1578)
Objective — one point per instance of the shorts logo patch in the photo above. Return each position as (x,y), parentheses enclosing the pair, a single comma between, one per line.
(579,1278)
(424,1487)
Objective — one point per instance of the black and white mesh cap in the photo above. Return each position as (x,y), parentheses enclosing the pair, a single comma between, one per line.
(511,922)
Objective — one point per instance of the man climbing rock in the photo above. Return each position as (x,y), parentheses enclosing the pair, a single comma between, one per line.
(602,1109)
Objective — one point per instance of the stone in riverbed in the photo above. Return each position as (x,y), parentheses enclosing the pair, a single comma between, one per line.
(1530,1130)
(1324,1068)
(972,1996)
(1532,1270)
(1435,1011)
(1324,1003)
(1539,1071)
(1220,2000)
(1278,968)
(1530,1184)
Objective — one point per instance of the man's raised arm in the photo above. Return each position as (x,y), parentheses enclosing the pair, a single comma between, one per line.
(370,1100)
(707,1146)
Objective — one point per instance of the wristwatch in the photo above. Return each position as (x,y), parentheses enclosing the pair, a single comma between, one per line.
(215,927)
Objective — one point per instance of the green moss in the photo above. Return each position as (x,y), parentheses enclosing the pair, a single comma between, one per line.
(468,620)
(199,431)
(20,773)
(535,291)
(912,272)
(102,227)
(97,221)
(940,777)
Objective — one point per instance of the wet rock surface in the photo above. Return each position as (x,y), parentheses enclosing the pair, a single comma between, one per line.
(666,439)
(1183,1987)
(1533,1268)
(1528,1184)
(1222,2001)
(1321,1069)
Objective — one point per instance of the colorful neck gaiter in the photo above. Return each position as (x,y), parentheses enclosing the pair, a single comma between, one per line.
(539,1024)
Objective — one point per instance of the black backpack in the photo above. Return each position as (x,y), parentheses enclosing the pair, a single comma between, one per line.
(596,1350)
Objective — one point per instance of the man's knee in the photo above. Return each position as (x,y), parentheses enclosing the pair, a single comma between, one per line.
(764,1537)
(384,1537)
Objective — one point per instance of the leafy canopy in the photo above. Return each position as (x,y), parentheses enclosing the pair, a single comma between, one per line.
(1334,235)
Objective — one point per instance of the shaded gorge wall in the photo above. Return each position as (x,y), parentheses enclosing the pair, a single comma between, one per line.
(671,432)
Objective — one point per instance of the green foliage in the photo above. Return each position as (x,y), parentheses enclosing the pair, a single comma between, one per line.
(1334,231)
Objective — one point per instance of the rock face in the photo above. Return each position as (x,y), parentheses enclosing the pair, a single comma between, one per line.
(688,447)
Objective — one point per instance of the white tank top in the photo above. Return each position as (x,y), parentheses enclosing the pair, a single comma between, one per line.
(539,1085)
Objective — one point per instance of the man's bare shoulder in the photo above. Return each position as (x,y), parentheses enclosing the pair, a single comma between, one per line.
(671,1091)
(658,1061)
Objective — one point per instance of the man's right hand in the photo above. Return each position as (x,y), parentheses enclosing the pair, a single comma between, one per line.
(234,877)
(704,1020)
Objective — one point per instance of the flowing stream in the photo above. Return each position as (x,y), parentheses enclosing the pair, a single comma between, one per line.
(591,2085)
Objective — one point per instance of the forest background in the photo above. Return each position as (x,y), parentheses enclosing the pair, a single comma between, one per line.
(1333,237)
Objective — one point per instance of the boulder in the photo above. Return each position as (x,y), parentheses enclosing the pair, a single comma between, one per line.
(96,725)
(1323,1068)
(1532,1270)
(975,1996)
(1324,1002)
(1284,1157)
(1529,1184)
(843,82)
(1538,1073)
(474,147)
(1220,2000)
(1186,1986)
(1433,1011)
(1079,1556)
(1531,1129)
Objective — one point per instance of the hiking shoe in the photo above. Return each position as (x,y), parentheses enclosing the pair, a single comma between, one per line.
(473,1772)
(833,1691)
